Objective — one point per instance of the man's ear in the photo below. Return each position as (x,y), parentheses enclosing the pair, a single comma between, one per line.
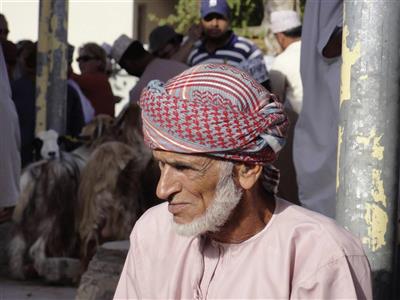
(280,37)
(248,174)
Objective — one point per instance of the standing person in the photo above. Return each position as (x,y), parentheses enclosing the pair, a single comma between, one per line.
(164,42)
(87,107)
(93,80)
(24,97)
(285,70)
(132,57)
(221,45)
(10,56)
(9,48)
(223,233)
(4,31)
(10,164)
(286,84)
(316,132)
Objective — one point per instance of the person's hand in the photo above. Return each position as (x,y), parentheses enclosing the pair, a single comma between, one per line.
(334,46)
(195,32)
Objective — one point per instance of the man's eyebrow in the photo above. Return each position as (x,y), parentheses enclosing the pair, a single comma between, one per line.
(175,163)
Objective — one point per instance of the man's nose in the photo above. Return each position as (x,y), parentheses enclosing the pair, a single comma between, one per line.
(167,185)
(214,22)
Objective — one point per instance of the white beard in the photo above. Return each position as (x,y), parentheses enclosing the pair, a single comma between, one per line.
(227,197)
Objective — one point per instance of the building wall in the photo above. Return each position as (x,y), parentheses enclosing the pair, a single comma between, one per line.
(142,26)
(88,21)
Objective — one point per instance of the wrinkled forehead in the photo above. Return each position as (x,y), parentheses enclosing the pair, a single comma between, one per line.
(197,161)
(220,85)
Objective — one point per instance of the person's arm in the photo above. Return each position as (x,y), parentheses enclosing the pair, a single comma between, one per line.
(194,34)
(334,46)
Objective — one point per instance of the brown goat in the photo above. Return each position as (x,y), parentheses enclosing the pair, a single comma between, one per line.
(118,184)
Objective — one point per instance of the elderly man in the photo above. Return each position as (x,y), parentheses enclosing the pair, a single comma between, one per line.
(222,232)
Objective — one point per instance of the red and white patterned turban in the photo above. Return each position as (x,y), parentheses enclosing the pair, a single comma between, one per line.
(217,110)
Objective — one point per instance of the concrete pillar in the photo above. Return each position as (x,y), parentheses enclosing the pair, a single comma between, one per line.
(367,173)
(51,81)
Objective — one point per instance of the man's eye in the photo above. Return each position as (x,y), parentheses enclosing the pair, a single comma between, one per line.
(182,167)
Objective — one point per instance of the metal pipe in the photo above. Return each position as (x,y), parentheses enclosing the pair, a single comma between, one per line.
(51,74)
(367,172)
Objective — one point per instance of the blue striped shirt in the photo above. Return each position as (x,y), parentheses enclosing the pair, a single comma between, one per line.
(238,51)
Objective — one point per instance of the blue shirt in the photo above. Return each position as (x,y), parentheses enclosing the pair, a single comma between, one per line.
(238,51)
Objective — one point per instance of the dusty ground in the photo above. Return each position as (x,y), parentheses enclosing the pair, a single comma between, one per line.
(33,290)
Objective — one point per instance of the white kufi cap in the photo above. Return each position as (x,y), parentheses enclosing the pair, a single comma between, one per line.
(283,20)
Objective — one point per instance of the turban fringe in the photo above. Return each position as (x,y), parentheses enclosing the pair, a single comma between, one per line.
(215,110)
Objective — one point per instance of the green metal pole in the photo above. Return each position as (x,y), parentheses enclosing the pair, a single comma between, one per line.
(51,81)
(367,173)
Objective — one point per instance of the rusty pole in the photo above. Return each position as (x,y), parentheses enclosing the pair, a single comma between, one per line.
(51,74)
(367,172)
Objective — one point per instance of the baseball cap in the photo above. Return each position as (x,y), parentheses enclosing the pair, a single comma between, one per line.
(161,35)
(215,6)
(284,20)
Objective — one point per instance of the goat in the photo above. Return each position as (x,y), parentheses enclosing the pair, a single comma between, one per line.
(92,135)
(117,184)
(45,216)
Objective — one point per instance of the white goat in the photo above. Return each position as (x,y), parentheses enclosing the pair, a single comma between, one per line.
(49,148)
